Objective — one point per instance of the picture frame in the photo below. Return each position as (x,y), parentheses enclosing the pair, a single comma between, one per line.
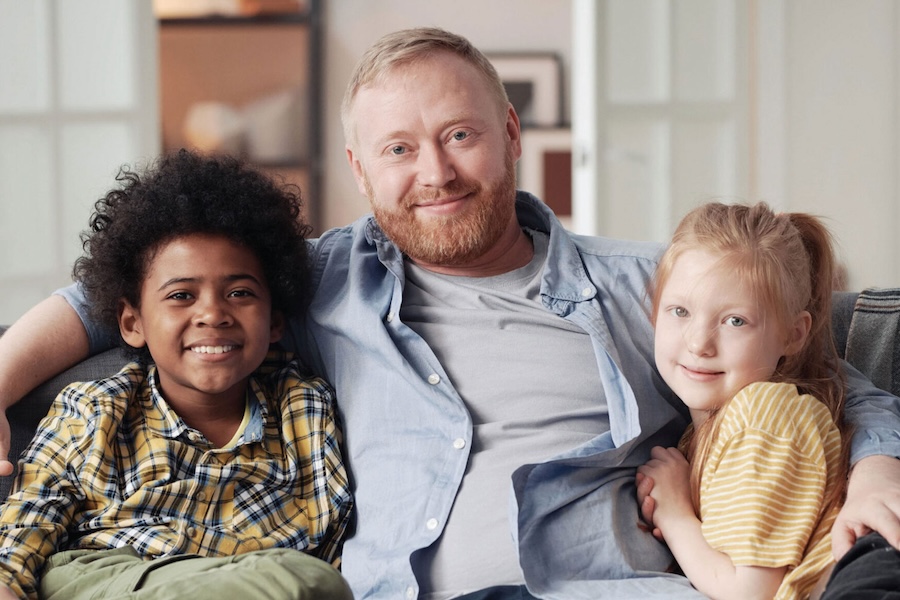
(545,168)
(533,83)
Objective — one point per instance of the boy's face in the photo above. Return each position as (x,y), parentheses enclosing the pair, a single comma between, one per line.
(206,317)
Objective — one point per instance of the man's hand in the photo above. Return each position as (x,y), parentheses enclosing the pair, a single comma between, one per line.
(7,594)
(873,503)
(6,467)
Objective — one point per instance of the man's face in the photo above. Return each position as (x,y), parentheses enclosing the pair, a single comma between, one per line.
(436,156)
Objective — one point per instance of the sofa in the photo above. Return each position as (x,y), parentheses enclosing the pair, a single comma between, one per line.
(865,326)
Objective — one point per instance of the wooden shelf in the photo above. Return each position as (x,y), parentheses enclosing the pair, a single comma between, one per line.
(244,68)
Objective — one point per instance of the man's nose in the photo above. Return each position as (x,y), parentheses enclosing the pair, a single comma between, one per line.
(435,167)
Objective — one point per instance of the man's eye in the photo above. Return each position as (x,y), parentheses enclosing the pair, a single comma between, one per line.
(398,150)
(460,135)
(736,321)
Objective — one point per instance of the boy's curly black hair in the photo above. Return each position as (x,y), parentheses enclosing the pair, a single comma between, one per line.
(182,194)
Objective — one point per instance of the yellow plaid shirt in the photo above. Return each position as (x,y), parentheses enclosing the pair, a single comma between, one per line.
(112,465)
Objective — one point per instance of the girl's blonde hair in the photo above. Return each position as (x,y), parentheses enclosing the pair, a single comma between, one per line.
(787,260)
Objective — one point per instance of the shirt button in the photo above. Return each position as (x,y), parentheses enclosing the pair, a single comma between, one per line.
(194,436)
(459,443)
(434,379)
(201,496)
(587,292)
(410,592)
(390,317)
(191,531)
(431,524)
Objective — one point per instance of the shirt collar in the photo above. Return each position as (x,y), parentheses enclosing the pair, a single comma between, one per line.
(161,418)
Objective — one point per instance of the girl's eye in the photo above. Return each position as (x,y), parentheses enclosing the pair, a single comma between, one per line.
(680,312)
(736,321)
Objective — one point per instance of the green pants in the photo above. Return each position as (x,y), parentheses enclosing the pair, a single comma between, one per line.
(275,574)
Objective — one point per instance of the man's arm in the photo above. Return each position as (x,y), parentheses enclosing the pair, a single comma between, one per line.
(45,341)
(873,503)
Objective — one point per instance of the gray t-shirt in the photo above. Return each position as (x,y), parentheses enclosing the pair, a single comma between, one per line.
(530,381)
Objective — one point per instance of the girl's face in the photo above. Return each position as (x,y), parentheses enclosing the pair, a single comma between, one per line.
(712,338)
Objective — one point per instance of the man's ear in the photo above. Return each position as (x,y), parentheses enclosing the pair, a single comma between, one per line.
(276,328)
(514,132)
(358,174)
(130,325)
(798,333)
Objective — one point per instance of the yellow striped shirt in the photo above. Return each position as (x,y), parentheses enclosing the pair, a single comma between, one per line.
(774,460)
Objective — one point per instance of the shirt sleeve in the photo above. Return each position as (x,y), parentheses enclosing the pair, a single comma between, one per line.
(761,492)
(100,338)
(875,416)
(310,432)
(34,518)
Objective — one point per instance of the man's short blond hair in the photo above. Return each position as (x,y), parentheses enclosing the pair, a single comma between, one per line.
(408,46)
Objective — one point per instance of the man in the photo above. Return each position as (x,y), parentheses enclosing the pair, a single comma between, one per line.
(494,374)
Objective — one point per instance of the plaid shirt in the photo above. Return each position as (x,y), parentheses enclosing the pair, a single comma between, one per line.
(112,465)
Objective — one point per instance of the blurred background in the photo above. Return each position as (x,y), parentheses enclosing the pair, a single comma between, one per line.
(634,111)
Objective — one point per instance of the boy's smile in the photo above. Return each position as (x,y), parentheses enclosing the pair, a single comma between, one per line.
(205,314)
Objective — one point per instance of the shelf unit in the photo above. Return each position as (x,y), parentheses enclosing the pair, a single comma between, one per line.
(240,70)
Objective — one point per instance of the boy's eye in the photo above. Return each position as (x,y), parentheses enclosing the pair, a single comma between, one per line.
(736,321)
(240,293)
(179,296)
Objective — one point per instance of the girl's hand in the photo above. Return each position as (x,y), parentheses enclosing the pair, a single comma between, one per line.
(669,496)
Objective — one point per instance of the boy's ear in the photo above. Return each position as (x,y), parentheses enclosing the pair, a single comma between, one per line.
(798,333)
(276,329)
(130,325)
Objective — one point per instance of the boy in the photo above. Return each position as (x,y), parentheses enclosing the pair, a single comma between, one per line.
(199,470)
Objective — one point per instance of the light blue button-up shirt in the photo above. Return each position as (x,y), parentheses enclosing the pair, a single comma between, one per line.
(407,431)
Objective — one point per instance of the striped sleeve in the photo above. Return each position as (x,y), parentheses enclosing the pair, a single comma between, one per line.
(763,485)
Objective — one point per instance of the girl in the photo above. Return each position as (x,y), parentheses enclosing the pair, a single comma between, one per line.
(741,309)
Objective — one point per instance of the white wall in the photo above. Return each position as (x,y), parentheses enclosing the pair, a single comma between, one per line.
(351,26)
(816,122)
(77,100)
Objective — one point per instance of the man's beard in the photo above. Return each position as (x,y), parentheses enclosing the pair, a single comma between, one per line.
(457,239)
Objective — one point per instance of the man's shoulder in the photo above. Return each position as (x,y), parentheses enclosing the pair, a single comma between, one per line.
(605,247)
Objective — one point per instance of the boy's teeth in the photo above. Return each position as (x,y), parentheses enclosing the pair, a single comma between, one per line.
(212,349)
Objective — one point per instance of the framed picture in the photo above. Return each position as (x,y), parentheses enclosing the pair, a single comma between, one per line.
(534,85)
(545,168)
